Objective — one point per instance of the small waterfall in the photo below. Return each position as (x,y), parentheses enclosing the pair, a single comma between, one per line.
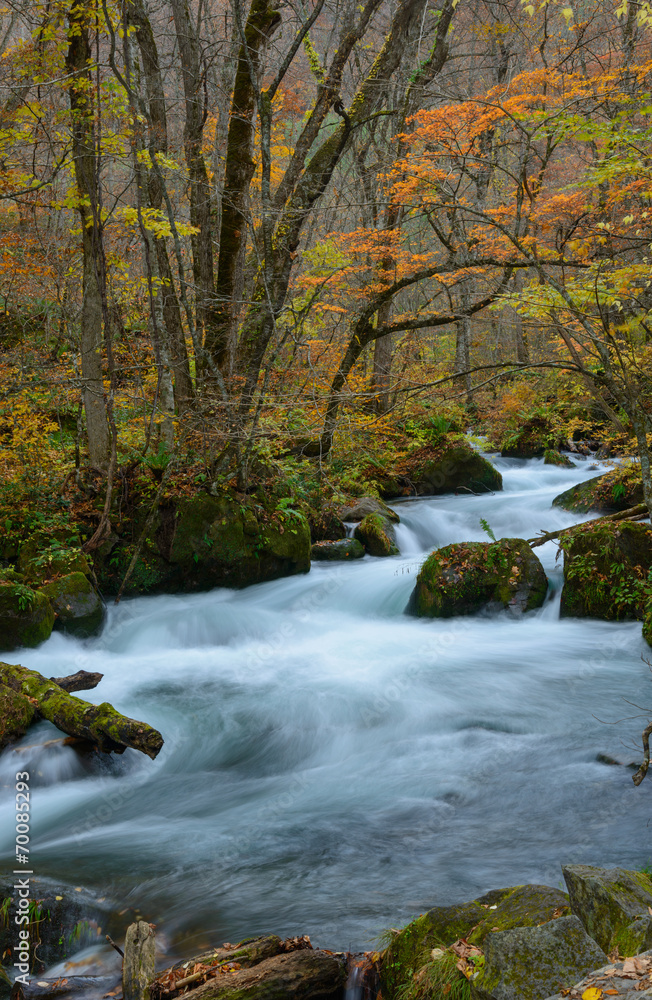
(362,982)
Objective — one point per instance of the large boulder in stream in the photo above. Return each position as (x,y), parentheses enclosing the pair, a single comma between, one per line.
(210,540)
(465,577)
(359,509)
(614,905)
(450,465)
(376,533)
(606,566)
(610,493)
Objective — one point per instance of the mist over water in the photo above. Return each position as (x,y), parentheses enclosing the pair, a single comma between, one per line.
(333,767)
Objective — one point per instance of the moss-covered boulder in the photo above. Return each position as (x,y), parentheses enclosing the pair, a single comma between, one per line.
(531,440)
(77,605)
(376,533)
(26,616)
(358,510)
(614,905)
(606,567)
(44,557)
(552,457)
(16,715)
(209,541)
(502,909)
(344,548)
(610,493)
(529,963)
(465,577)
(450,466)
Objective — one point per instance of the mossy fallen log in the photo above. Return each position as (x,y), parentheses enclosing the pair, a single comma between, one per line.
(101,725)
(83,680)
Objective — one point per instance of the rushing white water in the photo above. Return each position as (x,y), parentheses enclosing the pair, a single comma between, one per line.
(332,766)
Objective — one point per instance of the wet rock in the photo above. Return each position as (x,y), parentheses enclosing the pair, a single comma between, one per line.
(463,578)
(518,906)
(613,905)
(26,616)
(618,979)
(606,494)
(530,441)
(605,567)
(527,963)
(62,921)
(77,605)
(376,533)
(556,458)
(450,466)
(368,505)
(345,548)
(326,525)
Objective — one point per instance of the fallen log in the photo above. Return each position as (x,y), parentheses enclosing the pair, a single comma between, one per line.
(633,514)
(83,680)
(297,975)
(107,729)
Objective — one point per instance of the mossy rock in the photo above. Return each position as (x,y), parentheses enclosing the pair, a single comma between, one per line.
(62,922)
(464,578)
(39,561)
(613,905)
(77,605)
(647,626)
(376,533)
(532,439)
(367,505)
(530,962)
(344,548)
(551,457)
(605,571)
(451,466)
(210,541)
(16,716)
(26,617)
(607,494)
(519,906)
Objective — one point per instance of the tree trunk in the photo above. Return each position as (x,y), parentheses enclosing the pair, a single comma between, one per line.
(80,91)
(239,170)
(201,213)
(381,380)
(139,960)
(101,725)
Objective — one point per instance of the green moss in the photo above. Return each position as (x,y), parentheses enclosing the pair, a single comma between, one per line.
(375,532)
(76,603)
(606,571)
(16,715)
(451,465)
(464,577)
(551,457)
(26,617)
(607,494)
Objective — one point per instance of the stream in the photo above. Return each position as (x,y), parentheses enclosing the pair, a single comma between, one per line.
(333,767)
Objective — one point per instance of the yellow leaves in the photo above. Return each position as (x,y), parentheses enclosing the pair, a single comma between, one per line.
(592,993)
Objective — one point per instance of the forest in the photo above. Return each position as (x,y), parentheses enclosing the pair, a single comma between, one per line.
(326,449)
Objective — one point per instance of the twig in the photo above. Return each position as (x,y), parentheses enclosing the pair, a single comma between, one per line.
(642,771)
(114,945)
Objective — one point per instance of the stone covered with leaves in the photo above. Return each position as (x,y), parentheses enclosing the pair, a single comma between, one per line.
(502,909)
(610,493)
(606,568)
(531,439)
(448,465)
(553,457)
(614,905)
(465,577)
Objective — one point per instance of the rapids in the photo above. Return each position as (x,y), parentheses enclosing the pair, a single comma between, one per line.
(333,767)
